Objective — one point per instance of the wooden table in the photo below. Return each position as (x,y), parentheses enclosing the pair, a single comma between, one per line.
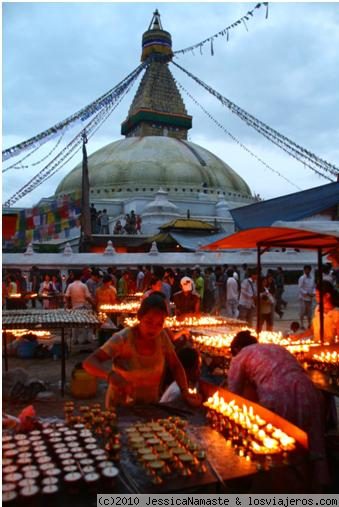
(47,319)
(224,465)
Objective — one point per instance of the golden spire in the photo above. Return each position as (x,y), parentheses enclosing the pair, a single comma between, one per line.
(156,41)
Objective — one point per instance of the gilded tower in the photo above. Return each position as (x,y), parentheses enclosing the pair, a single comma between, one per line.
(157,108)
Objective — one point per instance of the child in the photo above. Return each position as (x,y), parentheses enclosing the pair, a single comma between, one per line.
(294,329)
(191,361)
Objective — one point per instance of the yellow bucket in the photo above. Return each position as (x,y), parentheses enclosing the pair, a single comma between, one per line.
(83,385)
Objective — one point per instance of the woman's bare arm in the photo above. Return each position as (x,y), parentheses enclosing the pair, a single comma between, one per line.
(94,364)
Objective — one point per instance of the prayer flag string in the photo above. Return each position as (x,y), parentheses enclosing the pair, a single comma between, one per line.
(224,31)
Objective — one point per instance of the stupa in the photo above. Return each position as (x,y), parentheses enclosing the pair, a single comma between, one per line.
(155,156)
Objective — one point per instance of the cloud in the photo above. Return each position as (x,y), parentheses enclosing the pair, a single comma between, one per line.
(58,57)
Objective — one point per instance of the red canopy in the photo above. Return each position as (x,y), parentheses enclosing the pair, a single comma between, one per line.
(278,237)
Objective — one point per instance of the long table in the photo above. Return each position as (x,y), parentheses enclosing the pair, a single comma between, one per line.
(222,462)
(47,319)
(227,471)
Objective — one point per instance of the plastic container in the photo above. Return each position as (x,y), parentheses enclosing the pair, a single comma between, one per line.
(83,385)
(26,349)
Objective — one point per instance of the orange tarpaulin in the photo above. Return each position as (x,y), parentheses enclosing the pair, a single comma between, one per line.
(276,236)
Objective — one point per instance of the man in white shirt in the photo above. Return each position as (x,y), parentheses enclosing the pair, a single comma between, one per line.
(232,295)
(140,279)
(77,294)
(306,295)
(247,300)
(78,297)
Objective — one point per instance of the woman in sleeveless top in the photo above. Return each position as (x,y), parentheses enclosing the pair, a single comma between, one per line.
(331,315)
(139,357)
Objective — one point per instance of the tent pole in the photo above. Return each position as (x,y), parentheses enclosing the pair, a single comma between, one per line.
(321,299)
(258,287)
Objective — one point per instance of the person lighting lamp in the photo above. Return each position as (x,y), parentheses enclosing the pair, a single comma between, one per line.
(191,361)
(139,356)
(331,315)
(105,294)
(271,376)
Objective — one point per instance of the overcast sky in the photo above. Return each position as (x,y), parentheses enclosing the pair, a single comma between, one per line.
(59,57)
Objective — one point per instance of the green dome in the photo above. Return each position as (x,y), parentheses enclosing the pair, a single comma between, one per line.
(139,166)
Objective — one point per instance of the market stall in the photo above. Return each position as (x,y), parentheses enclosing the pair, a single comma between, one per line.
(47,319)
(265,238)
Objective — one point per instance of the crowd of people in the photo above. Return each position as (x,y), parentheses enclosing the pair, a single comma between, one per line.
(100,223)
(135,360)
(130,225)
(228,290)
